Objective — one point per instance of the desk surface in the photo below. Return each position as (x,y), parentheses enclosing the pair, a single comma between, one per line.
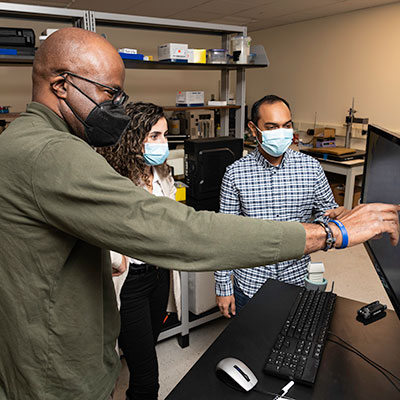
(342,374)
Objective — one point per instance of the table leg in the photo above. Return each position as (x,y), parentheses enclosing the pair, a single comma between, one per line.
(349,190)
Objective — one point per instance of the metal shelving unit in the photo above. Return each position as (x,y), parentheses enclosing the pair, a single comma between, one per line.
(89,20)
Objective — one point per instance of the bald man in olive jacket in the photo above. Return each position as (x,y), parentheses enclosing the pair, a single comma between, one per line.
(62,207)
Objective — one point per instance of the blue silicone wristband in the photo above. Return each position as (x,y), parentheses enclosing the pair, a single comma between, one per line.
(345,236)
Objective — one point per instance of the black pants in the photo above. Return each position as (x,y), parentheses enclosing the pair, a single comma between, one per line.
(143,306)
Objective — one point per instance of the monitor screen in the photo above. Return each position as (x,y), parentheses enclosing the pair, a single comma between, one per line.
(382,185)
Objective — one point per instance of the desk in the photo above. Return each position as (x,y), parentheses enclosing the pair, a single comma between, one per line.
(342,374)
(350,169)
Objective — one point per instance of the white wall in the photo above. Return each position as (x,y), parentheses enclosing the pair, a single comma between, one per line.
(319,65)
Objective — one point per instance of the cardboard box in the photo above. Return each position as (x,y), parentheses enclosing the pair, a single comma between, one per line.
(173,52)
(187,98)
(324,132)
(338,190)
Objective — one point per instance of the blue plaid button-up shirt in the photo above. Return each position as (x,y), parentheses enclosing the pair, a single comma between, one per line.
(295,190)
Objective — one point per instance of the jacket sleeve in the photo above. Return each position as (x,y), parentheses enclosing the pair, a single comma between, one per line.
(78,193)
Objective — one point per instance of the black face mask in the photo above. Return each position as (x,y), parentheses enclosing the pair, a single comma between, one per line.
(107,121)
(105,124)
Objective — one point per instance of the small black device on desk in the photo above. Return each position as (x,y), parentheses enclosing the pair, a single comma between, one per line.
(371,310)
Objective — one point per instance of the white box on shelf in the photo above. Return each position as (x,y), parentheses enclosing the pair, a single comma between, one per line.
(127,50)
(173,52)
(46,33)
(217,103)
(187,98)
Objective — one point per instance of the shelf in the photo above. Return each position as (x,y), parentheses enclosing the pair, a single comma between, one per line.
(9,116)
(139,64)
(175,108)
(15,60)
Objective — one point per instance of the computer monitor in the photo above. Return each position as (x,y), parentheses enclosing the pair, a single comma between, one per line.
(205,164)
(382,185)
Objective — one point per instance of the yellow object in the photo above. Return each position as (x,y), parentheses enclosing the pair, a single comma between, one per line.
(180,191)
(197,56)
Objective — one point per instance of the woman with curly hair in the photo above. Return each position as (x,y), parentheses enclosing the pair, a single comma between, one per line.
(141,156)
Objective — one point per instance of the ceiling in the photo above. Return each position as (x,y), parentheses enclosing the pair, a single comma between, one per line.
(255,14)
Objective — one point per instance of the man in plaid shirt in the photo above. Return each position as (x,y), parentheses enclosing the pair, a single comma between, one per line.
(276,183)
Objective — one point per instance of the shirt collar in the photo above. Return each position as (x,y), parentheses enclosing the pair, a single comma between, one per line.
(265,163)
(156,177)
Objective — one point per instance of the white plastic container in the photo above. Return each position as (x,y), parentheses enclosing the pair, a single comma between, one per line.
(216,56)
(241,44)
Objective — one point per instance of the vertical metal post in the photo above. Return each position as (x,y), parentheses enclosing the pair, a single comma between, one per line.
(240,101)
(224,113)
(183,339)
(88,21)
(240,98)
(349,125)
(92,20)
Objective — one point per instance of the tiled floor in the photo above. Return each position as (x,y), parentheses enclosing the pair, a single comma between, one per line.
(350,269)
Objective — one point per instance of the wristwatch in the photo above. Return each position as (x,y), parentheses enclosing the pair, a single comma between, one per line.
(330,239)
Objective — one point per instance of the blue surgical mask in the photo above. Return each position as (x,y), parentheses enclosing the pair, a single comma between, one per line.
(155,153)
(276,141)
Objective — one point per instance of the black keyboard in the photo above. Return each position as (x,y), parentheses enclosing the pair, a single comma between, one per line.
(297,351)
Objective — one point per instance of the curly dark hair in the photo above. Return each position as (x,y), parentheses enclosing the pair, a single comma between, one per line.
(126,157)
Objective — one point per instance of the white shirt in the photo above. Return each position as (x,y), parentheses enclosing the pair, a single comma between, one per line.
(157,191)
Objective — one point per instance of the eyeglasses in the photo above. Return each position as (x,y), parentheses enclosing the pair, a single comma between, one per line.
(119,98)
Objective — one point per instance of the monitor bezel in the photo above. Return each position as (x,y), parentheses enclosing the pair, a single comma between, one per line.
(394,137)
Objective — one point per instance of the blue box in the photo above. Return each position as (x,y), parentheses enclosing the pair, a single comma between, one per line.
(128,56)
(8,52)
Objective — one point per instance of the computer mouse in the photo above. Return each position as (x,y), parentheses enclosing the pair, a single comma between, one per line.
(236,374)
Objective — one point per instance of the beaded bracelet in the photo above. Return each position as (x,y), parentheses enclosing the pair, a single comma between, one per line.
(343,230)
(330,239)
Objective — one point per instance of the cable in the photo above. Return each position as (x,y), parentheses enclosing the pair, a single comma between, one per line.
(367,359)
(240,389)
(381,369)
(272,394)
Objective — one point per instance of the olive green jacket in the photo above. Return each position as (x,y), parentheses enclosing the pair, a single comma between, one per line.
(61,206)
